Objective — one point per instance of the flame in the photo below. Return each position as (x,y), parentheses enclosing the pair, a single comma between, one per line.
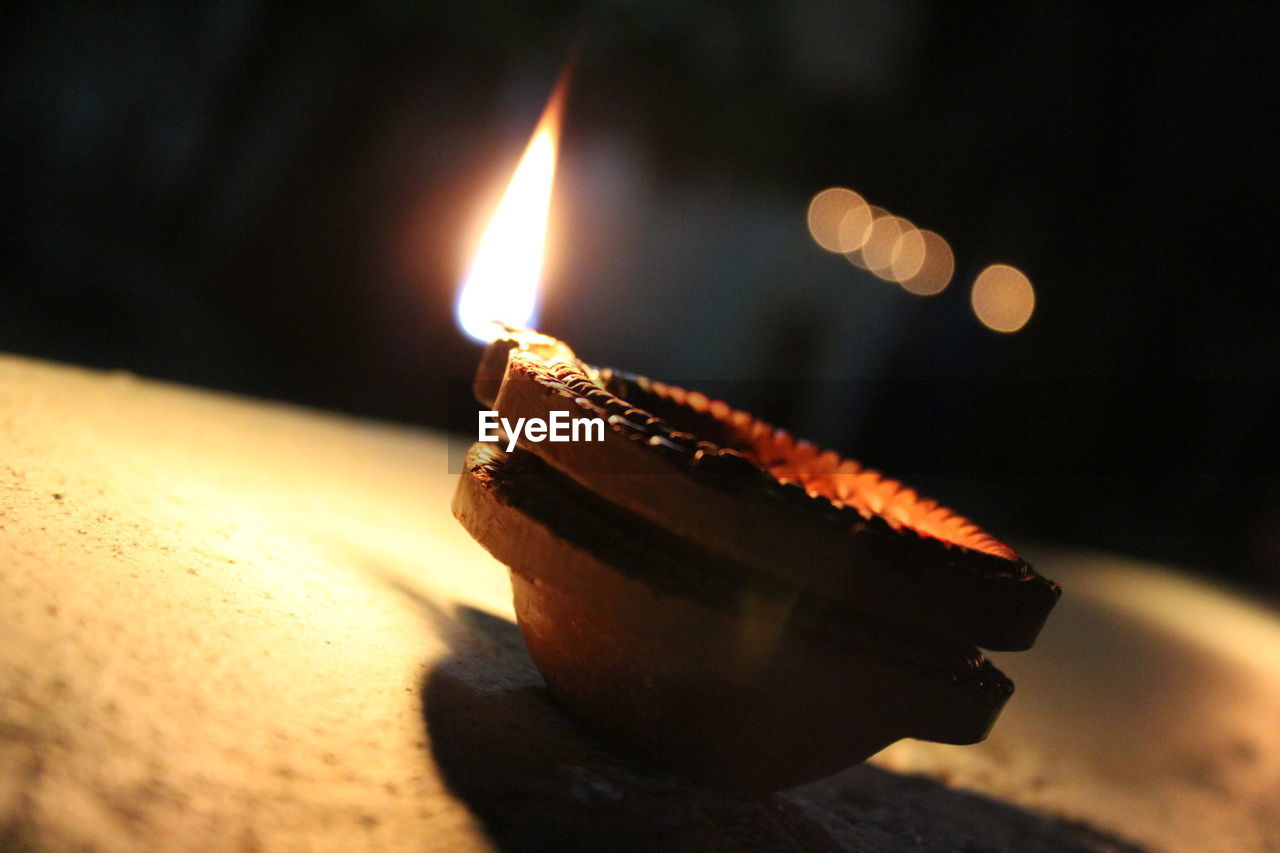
(501,287)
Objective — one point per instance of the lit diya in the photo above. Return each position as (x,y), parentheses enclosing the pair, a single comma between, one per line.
(726,600)
(702,588)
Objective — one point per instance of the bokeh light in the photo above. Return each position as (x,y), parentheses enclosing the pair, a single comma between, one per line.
(856,231)
(883,243)
(873,239)
(937,264)
(854,227)
(827,210)
(908,256)
(1003,298)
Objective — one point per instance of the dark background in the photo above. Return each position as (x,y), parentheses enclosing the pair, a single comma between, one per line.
(279,201)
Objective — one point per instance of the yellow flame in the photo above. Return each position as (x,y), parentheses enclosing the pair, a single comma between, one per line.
(501,287)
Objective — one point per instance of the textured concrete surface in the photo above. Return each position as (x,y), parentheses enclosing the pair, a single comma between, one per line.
(239,626)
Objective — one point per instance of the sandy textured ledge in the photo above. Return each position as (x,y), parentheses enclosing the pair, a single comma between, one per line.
(236,625)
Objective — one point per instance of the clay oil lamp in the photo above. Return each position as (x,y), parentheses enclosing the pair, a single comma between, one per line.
(713,595)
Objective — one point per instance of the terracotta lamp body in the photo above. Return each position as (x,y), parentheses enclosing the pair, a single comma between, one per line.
(724,600)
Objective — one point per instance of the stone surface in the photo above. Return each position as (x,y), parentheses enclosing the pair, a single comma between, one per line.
(234,625)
